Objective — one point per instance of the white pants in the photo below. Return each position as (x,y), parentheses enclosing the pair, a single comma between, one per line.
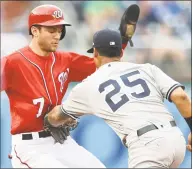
(161,148)
(43,153)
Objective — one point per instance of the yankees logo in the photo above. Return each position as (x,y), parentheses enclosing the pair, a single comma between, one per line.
(62,79)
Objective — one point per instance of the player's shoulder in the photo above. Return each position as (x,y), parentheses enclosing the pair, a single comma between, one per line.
(87,83)
(144,66)
(81,88)
(123,66)
(15,56)
(68,54)
(130,64)
(62,54)
(149,66)
(91,78)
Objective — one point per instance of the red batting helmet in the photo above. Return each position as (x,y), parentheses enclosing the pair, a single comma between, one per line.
(47,15)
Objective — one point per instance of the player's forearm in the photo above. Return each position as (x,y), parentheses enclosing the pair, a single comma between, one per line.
(185,107)
(183,103)
(58,116)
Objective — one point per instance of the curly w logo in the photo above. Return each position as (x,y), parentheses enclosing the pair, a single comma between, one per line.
(57,14)
(62,79)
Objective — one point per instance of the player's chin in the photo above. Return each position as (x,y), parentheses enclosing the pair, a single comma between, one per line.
(53,49)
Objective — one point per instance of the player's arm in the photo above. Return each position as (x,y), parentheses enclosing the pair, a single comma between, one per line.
(174,92)
(183,103)
(77,104)
(62,119)
(59,116)
(80,67)
(180,98)
(59,124)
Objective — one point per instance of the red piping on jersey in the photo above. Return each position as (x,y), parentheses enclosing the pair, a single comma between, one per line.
(20,159)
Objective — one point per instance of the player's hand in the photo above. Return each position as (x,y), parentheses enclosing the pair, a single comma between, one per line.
(58,133)
(128,23)
(189,146)
(61,132)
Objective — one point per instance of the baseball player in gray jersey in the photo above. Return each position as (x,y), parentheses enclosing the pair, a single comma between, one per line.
(130,98)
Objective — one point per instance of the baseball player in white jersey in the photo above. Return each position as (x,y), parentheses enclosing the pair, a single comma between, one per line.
(130,98)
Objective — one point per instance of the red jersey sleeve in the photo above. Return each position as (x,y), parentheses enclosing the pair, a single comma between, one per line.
(4,73)
(124,45)
(81,67)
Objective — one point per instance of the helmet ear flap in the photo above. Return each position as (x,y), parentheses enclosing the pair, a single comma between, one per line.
(63,32)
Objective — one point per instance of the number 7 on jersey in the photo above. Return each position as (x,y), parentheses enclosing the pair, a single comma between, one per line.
(41,101)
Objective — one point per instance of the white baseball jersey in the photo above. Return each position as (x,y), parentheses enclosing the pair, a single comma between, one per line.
(127,96)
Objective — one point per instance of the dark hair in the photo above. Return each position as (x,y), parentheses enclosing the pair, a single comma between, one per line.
(109,51)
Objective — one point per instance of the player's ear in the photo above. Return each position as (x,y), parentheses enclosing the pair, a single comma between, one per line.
(95,53)
(96,58)
(35,30)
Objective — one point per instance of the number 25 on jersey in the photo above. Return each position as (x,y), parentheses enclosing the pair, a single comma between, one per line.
(124,99)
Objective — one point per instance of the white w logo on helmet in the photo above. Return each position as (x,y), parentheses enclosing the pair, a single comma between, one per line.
(58,14)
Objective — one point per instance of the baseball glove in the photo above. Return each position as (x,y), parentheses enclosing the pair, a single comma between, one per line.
(128,23)
(59,133)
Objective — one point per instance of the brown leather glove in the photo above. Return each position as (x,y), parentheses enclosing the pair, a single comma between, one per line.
(60,133)
(128,23)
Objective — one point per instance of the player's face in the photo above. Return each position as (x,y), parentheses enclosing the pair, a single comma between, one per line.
(49,37)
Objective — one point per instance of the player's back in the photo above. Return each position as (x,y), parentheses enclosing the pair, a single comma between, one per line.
(130,95)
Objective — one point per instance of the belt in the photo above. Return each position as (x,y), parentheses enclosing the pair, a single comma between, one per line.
(41,134)
(148,128)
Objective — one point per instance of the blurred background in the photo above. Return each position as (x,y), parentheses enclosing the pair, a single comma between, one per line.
(162,37)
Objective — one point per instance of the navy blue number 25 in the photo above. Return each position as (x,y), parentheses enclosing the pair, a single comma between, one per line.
(124,99)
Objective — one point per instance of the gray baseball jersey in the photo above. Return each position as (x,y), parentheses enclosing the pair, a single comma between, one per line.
(127,96)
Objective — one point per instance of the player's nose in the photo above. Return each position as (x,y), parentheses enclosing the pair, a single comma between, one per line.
(57,36)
